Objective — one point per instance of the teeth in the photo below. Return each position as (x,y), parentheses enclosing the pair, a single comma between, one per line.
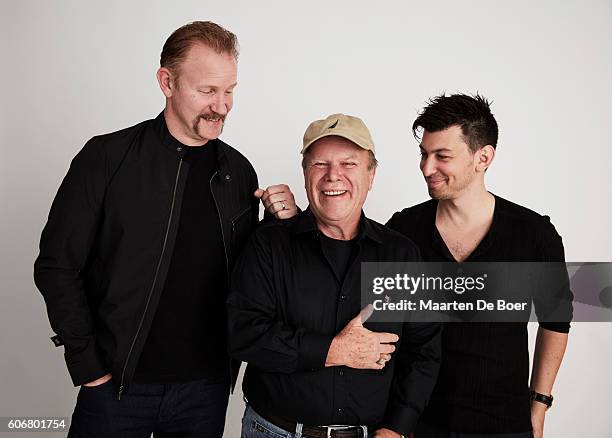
(334,192)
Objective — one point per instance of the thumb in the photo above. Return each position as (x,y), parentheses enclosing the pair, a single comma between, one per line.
(258,193)
(363,316)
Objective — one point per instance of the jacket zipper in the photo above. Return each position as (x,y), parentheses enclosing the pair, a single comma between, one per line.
(212,192)
(161,257)
(238,216)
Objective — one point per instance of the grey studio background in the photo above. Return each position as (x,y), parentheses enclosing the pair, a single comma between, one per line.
(73,69)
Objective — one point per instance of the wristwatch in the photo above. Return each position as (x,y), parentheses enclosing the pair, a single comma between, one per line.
(545,399)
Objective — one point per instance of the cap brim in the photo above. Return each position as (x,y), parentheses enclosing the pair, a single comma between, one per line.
(339,133)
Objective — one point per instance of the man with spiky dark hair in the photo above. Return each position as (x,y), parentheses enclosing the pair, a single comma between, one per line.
(482,390)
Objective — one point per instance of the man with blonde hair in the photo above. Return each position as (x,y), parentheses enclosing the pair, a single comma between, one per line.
(135,256)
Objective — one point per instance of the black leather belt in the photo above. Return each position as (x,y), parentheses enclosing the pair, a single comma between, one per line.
(318,431)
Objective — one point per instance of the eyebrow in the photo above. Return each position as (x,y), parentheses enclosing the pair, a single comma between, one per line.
(216,86)
(436,150)
(347,158)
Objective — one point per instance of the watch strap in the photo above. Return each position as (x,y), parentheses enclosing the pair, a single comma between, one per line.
(541,398)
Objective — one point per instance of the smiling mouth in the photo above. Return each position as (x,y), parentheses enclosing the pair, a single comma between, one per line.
(435,183)
(334,192)
(212,119)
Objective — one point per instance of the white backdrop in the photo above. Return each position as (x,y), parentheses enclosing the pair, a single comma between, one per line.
(73,69)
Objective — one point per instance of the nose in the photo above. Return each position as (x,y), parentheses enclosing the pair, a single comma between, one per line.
(334,172)
(221,104)
(427,165)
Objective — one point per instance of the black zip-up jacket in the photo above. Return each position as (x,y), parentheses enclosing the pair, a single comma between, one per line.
(107,245)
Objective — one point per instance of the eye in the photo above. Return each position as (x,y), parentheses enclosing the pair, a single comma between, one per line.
(443,157)
(228,92)
(349,164)
(207,92)
(319,164)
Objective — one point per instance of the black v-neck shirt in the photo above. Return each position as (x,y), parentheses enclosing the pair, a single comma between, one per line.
(483,381)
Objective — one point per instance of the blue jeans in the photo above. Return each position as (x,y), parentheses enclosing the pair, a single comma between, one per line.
(190,409)
(255,426)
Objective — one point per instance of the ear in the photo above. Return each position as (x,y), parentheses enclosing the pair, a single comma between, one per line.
(484,157)
(166,81)
(371,176)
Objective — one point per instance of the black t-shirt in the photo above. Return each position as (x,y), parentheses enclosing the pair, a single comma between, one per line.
(483,382)
(187,340)
(338,253)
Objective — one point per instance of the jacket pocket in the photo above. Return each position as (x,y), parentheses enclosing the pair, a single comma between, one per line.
(241,228)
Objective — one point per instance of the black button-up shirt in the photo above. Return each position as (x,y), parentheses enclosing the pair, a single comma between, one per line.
(285,306)
(483,381)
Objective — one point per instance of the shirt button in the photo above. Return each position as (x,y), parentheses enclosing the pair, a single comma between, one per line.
(340,411)
(341,372)
(179,149)
(343,297)
(227,176)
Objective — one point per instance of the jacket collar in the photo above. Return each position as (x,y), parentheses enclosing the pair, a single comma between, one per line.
(178,148)
(306,223)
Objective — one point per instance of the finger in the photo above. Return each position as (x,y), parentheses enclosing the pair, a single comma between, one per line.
(276,197)
(383,359)
(273,208)
(371,366)
(259,193)
(380,362)
(281,206)
(278,188)
(386,338)
(290,203)
(365,313)
(386,348)
(265,196)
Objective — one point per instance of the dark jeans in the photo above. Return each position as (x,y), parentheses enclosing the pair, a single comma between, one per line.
(191,409)
(426,431)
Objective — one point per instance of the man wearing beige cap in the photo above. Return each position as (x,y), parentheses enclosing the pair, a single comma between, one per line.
(315,367)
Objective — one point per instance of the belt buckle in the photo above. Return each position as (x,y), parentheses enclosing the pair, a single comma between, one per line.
(329,429)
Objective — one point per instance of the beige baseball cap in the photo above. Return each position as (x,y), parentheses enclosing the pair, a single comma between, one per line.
(349,127)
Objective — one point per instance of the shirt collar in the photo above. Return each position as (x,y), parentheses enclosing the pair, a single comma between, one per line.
(438,244)
(306,223)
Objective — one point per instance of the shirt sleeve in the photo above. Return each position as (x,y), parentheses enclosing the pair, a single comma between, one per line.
(416,372)
(553,299)
(256,332)
(394,222)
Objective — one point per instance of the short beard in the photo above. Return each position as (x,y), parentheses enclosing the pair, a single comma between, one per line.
(440,197)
